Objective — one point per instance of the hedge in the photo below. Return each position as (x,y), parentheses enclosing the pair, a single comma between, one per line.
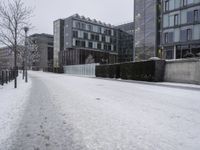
(108,71)
(152,70)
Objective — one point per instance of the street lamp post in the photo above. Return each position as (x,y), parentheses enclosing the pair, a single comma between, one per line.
(26,73)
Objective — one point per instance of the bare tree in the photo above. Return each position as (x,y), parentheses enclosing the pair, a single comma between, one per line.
(33,53)
(14,16)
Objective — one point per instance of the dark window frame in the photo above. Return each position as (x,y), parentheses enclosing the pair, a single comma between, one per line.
(176,21)
(196,15)
(189,34)
(166,37)
(166,5)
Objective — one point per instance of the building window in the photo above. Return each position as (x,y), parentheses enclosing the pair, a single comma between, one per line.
(166,5)
(80,34)
(189,34)
(103,38)
(83,44)
(196,15)
(105,47)
(95,45)
(190,17)
(99,45)
(75,34)
(166,37)
(184,2)
(90,45)
(176,22)
(92,37)
(171,21)
(190,2)
(99,29)
(107,39)
(78,24)
(109,47)
(97,37)
(85,35)
(78,43)
(90,27)
(83,26)
(74,42)
(169,54)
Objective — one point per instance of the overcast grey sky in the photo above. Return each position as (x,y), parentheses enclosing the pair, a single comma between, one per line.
(109,11)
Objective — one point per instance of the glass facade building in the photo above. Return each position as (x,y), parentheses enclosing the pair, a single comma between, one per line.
(180,28)
(126,39)
(147,28)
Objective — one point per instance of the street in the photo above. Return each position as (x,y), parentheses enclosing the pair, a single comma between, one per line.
(65,112)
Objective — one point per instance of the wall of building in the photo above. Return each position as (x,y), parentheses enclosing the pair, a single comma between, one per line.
(183,71)
(44,43)
(180,28)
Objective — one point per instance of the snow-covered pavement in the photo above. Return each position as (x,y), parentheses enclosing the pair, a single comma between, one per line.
(12,106)
(75,113)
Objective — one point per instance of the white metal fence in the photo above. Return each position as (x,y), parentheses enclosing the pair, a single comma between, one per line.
(82,70)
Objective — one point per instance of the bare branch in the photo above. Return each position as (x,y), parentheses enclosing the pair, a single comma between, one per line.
(14,16)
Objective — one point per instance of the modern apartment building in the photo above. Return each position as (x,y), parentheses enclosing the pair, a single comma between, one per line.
(180,28)
(166,28)
(44,43)
(80,40)
(147,28)
(125,42)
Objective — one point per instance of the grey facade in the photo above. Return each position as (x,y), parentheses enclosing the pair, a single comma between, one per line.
(58,31)
(83,36)
(127,27)
(44,44)
(125,42)
(169,29)
(7,58)
(146,19)
(180,28)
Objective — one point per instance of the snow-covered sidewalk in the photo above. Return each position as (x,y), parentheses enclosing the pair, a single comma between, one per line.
(76,113)
(112,115)
(12,105)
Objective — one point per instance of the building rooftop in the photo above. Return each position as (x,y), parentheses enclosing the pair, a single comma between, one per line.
(41,34)
(87,19)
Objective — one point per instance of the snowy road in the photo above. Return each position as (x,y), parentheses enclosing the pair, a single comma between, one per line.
(74,113)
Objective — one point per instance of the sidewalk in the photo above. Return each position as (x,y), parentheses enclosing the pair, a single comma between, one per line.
(12,102)
(162,84)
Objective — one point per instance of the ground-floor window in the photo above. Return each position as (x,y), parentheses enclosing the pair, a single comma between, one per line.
(182,51)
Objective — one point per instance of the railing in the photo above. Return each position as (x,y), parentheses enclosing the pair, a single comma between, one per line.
(82,70)
(7,76)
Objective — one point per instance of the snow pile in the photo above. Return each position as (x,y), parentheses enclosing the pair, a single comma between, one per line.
(12,104)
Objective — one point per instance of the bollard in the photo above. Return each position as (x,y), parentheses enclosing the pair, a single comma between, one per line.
(9,79)
(12,74)
(6,76)
(2,78)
